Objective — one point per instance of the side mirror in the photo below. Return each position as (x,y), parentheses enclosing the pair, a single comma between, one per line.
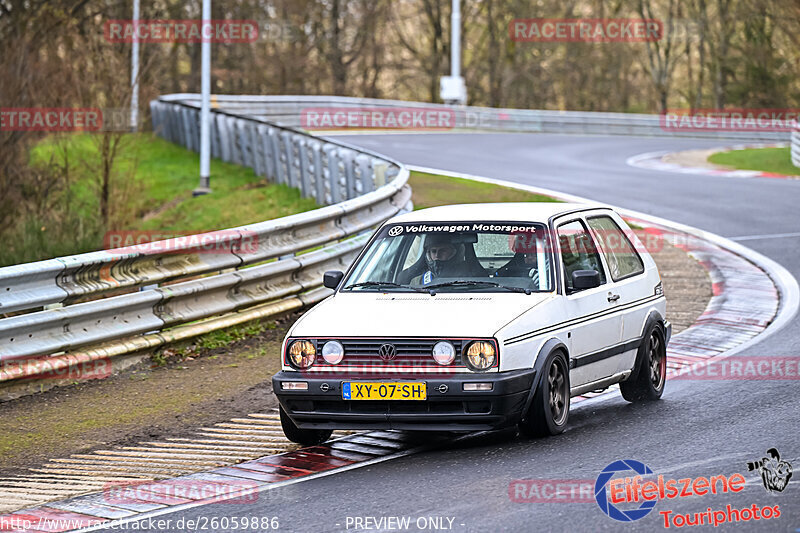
(332,278)
(585,279)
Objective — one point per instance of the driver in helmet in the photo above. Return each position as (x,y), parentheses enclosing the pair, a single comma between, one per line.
(446,259)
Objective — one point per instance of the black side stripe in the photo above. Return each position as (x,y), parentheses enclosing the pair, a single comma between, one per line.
(604,353)
(575,321)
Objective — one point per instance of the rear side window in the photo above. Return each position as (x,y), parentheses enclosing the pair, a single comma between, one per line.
(621,256)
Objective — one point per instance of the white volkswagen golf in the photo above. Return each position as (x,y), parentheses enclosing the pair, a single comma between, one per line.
(475,317)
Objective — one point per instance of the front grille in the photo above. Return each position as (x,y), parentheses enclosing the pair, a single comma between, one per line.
(411,353)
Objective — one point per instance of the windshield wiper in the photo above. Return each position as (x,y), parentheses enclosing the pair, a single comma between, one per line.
(476,283)
(384,284)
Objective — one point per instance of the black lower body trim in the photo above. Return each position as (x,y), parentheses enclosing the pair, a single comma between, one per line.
(451,410)
(605,353)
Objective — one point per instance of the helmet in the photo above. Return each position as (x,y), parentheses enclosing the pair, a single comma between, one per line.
(441,253)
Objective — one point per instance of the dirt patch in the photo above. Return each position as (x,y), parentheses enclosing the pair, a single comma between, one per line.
(694,158)
(686,285)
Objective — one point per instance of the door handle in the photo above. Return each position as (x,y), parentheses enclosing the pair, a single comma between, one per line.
(613,297)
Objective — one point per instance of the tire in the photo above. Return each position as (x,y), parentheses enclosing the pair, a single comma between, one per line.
(549,411)
(306,437)
(648,385)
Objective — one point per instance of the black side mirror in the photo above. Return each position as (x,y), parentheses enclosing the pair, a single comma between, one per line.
(332,278)
(585,279)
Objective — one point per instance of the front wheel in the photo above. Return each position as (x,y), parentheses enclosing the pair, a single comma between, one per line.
(648,385)
(306,437)
(549,410)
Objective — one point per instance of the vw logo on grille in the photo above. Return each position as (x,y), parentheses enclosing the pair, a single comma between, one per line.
(387,352)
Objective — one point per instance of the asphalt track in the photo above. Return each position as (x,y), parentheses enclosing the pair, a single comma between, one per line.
(700,428)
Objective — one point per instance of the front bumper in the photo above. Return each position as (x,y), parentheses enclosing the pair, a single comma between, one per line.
(446,408)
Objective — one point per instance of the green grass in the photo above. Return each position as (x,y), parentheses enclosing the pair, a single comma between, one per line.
(151,191)
(165,174)
(430,190)
(774,160)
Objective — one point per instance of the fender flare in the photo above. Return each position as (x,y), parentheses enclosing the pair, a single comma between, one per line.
(654,318)
(547,348)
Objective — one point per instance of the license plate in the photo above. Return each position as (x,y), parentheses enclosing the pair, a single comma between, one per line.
(353,390)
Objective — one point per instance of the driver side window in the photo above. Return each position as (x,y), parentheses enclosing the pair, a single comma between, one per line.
(578,251)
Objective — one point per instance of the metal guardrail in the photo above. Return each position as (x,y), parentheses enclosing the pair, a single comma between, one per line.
(796,144)
(288,110)
(168,287)
(173,283)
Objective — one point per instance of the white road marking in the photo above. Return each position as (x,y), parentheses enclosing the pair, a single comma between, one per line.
(768,236)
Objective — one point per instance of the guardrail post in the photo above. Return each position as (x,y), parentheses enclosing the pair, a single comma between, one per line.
(236,147)
(302,159)
(334,183)
(213,135)
(243,140)
(276,145)
(256,149)
(379,173)
(349,173)
(195,113)
(265,139)
(287,156)
(224,137)
(319,177)
(185,128)
(367,175)
(174,127)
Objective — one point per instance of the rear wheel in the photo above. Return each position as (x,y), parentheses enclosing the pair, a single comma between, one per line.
(306,437)
(648,385)
(549,410)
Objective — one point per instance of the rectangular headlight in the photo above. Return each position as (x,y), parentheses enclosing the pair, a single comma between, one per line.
(294,385)
(470,387)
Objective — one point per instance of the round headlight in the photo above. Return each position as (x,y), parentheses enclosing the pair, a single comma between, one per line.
(444,353)
(302,354)
(480,355)
(333,352)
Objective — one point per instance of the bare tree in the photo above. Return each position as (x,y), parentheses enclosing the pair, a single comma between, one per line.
(660,53)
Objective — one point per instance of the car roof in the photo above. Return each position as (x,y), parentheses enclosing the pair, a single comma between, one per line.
(510,212)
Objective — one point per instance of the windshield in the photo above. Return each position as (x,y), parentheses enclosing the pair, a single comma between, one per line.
(455,257)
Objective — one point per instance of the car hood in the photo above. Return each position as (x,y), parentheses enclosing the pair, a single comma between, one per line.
(416,315)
